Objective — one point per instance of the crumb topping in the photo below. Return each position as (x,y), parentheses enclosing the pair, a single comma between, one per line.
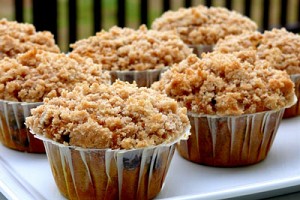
(110,116)
(129,49)
(18,38)
(227,84)
(203,25)
(37,74)
(278,46)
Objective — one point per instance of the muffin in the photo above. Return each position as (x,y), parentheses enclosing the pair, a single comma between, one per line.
(235,104)
(29,78)
(18,38)
(278,46)
(201,27)
(133,55)
(109,141)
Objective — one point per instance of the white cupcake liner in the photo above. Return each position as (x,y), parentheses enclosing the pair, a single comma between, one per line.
(143,78)
(82,173)
(13,132)
(230,141)
(295,109)
(199,49)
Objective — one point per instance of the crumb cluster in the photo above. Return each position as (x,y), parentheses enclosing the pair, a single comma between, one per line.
(36,74)
(18,38)
(110,116)
(129,49)
(202,25)
(278,46)
(227,84)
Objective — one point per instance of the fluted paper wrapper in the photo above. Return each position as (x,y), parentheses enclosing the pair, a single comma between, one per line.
(13,132)
(143,78)
(108,174)
(230,141)
(199,49)
(295,109)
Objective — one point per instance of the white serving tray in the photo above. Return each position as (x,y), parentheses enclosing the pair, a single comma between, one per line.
(28,176)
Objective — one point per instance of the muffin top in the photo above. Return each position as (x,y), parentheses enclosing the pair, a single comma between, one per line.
(18,38)
(36,74)
(118,116)
(227,84)
(129,49)
(278,46)
(202,25)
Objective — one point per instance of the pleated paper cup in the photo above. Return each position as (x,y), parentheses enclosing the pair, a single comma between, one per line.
(82,173)
(143,78)
(295,109)
(199,49)
(230,141)
(13,132)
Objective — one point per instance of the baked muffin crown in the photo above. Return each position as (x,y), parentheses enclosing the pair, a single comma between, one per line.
(38,74)
(227,84)
(21,37)
(118,116)
(203,25)
(129,49)
(278,46)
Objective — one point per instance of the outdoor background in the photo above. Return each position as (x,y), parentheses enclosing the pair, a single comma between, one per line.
(132,11)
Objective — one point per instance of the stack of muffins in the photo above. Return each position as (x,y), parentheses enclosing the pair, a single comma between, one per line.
(111,112)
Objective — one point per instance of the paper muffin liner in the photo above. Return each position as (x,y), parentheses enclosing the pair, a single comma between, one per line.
(230,141)
(199,49)
(82,173)
(13,132)
(295,109)
(143,78)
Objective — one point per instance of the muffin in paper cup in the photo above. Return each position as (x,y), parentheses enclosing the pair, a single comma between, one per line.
(107,173)
(13,132)
(133,55)
(230,141)
(143,78)
(201,27)
(29,78)
(295,109)
(235,104)
(110,141)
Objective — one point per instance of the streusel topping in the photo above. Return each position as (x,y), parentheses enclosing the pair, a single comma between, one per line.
(202,25)
(18,38)
(110,116)
(37,74)
(278,46)
(129,49)
(227,84)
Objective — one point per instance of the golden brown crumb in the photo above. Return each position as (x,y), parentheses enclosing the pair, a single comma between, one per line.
(37,74)
(18,38)
(278,46)
(227,84)
(202,25)
(110,116)
(129,49)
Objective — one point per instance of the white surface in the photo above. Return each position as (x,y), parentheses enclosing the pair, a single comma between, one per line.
(28,176)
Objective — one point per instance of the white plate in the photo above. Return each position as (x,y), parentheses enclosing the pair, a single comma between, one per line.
(28,176)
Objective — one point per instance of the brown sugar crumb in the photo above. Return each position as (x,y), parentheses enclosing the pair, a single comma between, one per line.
(129,49)
(227,84)
(37,74)
(278,46)
(110,116)
(18,38)
(203,25)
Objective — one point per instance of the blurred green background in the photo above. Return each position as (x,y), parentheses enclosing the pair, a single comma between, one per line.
(85,26)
